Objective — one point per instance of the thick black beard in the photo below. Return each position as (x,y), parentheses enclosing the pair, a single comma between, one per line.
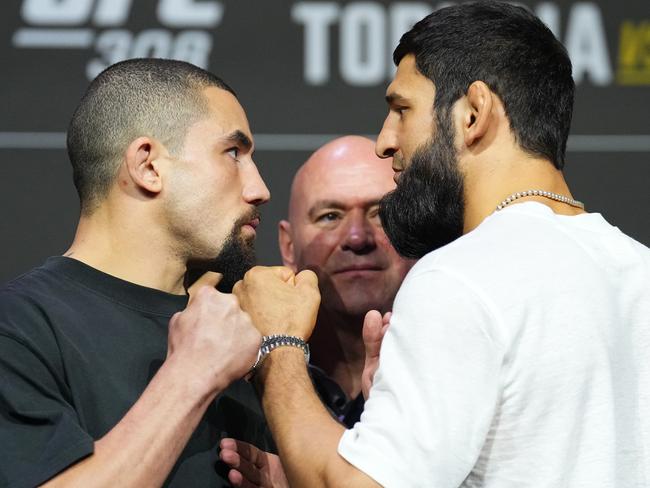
(235,258)
(426,209)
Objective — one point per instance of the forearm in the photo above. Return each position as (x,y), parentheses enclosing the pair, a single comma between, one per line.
(144,446)
(306,434)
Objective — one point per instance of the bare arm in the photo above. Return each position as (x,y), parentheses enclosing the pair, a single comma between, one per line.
(306,435)
(142,448)
(211,343)
(252,467)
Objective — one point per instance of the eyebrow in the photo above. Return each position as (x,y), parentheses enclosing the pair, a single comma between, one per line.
(239,138)
(321,204)
(395,98)
(333,204)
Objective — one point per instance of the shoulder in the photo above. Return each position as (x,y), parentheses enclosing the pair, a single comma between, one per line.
(494,241)
(25,303)
(527,237)
(486,270)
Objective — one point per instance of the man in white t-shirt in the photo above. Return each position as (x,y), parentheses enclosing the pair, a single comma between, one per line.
(518,348)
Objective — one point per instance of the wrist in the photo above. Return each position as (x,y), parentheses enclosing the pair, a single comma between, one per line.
(283,363)
(275,342)
(178,391)
(195,384)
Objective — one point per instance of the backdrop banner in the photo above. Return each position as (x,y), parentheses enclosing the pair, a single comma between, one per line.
(305,71)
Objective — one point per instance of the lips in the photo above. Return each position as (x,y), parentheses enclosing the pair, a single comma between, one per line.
(251,218)
(358,268)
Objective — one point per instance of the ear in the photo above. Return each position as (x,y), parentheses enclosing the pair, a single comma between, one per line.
(286,245)
(476,120)
(141,164)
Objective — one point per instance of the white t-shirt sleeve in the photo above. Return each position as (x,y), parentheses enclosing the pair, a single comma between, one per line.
(437,387)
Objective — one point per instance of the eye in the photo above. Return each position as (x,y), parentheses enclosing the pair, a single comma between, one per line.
(233,152)
(328,217)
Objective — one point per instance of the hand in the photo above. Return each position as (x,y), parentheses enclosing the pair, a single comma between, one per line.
(252,467)
(374,328)
(278,301)
(213,340)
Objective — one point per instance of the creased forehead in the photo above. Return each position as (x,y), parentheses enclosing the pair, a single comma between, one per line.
(342,167)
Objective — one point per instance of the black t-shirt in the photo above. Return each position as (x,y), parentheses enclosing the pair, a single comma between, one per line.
(345,410)
(77,349)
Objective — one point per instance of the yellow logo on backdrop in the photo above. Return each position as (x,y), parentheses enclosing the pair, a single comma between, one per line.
(634,54)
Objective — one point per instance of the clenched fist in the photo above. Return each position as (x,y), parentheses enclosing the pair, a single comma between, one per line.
(278,301)
(213,340)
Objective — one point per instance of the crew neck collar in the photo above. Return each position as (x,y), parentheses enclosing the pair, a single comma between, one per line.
(126,293)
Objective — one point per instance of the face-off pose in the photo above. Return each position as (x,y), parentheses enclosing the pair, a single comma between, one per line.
(334,230)
(109,373)
(517,349)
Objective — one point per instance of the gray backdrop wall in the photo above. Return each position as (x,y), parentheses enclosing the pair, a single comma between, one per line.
(305,72)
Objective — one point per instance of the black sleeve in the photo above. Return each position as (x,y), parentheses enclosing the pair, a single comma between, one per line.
(40,432)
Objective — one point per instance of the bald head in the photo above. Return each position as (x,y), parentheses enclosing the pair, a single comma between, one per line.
(334,226)
(348,158)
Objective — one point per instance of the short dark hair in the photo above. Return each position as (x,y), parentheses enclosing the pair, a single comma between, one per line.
(514,53)
(158,98)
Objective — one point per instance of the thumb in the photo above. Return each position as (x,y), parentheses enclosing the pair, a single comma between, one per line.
(373,333)
(210,278)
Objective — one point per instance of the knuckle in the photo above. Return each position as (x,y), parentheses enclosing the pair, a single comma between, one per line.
(237,288)
(252,273)
(202,293)
(310,274)
(175,318)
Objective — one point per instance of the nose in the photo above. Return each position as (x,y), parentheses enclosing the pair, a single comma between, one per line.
(359,235)
(386,144)
(255,190)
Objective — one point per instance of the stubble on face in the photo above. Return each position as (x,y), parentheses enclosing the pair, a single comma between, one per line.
(236,257)
(356,267)
(426,209)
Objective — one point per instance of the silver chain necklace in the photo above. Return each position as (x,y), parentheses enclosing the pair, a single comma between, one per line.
(540,193)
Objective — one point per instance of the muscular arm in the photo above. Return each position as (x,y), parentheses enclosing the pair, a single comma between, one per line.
(143,447)
(306,434)
(211,343)
(429,412)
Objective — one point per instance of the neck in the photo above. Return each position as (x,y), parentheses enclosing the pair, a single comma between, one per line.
(337,348)
(492,185)
(131,248)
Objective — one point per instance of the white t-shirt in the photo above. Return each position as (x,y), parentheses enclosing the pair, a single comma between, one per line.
(517,356)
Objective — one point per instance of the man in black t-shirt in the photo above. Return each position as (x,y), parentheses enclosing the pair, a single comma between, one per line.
(111,373)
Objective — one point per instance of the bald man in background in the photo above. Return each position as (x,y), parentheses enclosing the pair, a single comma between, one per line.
(334,229)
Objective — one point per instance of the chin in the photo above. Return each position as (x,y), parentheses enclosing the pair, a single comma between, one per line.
(359,306)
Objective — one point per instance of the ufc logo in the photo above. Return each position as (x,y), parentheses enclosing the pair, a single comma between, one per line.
(105,13)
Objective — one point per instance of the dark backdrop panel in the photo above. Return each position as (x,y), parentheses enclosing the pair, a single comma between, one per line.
(305,71)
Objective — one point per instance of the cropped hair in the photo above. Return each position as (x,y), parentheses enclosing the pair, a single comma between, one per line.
(158,98)
(514,53)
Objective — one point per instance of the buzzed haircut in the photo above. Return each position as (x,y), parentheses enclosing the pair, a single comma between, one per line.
(514,53)
(158,98)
